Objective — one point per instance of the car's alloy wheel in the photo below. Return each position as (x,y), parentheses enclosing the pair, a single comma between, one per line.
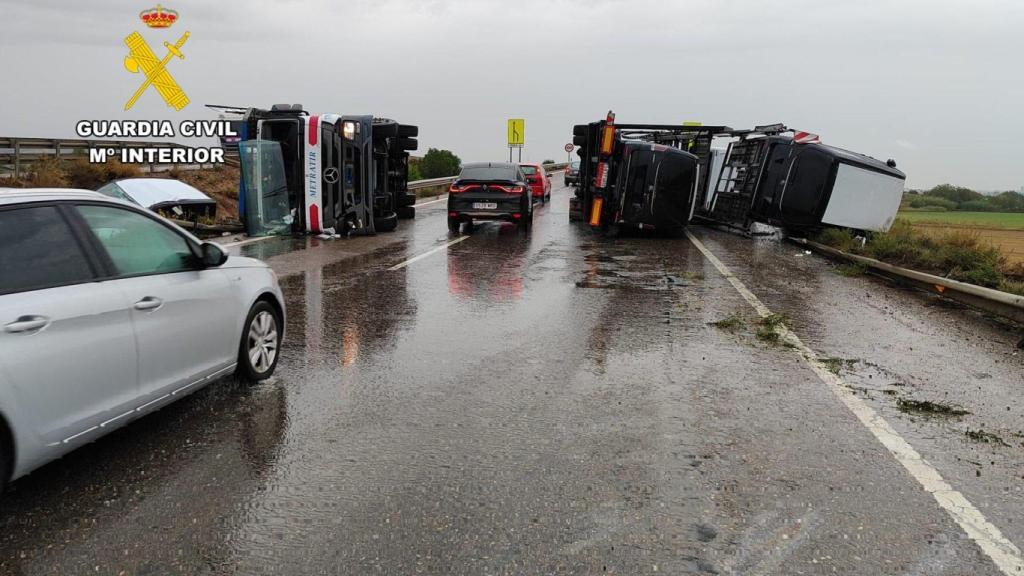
(262,341)
(258,353)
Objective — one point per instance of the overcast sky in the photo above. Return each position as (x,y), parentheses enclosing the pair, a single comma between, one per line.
(934,84)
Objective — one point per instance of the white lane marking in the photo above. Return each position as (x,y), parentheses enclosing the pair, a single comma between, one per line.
(431,202)
(427,253)
(1004,553)
(247,241)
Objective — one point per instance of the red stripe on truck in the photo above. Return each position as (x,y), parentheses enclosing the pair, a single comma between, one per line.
(313,121)
(314,218)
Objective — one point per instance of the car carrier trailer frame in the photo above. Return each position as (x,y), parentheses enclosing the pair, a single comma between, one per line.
(770,174)
(640,176)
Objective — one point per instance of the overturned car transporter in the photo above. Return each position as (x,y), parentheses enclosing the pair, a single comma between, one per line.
(661,177)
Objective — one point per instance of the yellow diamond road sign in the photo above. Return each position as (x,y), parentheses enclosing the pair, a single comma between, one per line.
(516,132)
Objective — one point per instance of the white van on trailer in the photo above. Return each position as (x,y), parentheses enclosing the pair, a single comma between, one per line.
(780,180)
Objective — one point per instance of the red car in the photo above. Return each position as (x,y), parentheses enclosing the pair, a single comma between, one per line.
(540,184)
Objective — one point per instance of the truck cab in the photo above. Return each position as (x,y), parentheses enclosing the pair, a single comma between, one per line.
(323,173)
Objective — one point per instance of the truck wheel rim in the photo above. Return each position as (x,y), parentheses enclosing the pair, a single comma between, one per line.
(262,341)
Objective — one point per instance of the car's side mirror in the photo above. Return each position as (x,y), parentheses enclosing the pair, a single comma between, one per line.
(213,255)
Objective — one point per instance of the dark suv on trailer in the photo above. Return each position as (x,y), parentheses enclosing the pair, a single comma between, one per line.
(490,191)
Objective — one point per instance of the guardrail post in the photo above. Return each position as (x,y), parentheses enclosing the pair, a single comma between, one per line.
(17,159)
(56,146)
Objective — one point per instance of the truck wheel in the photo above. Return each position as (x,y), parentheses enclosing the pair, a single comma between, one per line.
(260,345)
(408,131)
(408,143)
(384,128)
(407,212)
(386,223)
(454,225)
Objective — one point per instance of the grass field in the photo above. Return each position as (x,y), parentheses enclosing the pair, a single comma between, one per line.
(1009,221)
(1003,229)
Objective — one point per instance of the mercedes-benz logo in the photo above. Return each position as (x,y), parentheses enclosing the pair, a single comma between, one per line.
(331,175)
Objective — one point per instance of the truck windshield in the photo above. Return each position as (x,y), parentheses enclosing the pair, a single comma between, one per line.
(266,191)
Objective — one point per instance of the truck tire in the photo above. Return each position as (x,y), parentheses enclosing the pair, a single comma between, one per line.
(384,128)
(407,212)
(408,131)
(386,223)
(408,143)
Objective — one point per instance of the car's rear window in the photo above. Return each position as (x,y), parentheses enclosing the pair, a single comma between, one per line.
(529,170)
(488,173)
(574,165)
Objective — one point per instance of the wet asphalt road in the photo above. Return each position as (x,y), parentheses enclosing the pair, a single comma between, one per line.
(553,404)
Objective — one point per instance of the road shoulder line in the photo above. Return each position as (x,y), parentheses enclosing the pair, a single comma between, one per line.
(997,547)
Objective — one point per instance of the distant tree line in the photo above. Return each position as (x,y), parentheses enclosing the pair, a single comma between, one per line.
(947,198)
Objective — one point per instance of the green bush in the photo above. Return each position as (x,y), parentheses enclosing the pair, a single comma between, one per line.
(414,172)
(955,194)
(957,255)
(977,206)
(439,164)
(926,201)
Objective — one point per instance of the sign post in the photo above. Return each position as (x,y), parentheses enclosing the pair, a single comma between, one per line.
(568,151)
(516,136)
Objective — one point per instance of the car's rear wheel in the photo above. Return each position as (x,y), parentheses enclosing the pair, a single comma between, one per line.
(407,212)
(454,225)
(261,341)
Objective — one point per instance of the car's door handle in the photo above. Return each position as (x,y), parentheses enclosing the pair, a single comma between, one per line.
(27,324)
(149,303)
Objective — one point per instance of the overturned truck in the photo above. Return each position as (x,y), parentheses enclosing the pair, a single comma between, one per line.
(640,176)
(323,173)
(661,177)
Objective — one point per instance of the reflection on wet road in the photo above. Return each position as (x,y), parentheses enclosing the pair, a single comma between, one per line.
(551,403)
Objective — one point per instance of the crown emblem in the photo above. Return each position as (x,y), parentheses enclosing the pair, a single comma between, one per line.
(158,17)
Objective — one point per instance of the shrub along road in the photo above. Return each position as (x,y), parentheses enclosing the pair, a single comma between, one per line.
(560,403)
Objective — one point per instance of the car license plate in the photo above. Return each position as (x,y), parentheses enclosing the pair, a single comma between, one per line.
(485,205)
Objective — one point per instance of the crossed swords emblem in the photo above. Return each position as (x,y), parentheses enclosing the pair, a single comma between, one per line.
(142,58)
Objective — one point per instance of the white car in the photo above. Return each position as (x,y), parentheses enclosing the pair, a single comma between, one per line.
(109,312)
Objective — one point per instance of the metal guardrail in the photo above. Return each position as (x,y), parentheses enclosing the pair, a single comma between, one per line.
(18,154)
(997,302)
(429,183)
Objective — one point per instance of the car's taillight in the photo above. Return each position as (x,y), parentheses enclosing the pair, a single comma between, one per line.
(566,169)
(457,189)
(517,189)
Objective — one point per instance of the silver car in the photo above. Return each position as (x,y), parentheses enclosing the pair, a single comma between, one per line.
(109,312)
